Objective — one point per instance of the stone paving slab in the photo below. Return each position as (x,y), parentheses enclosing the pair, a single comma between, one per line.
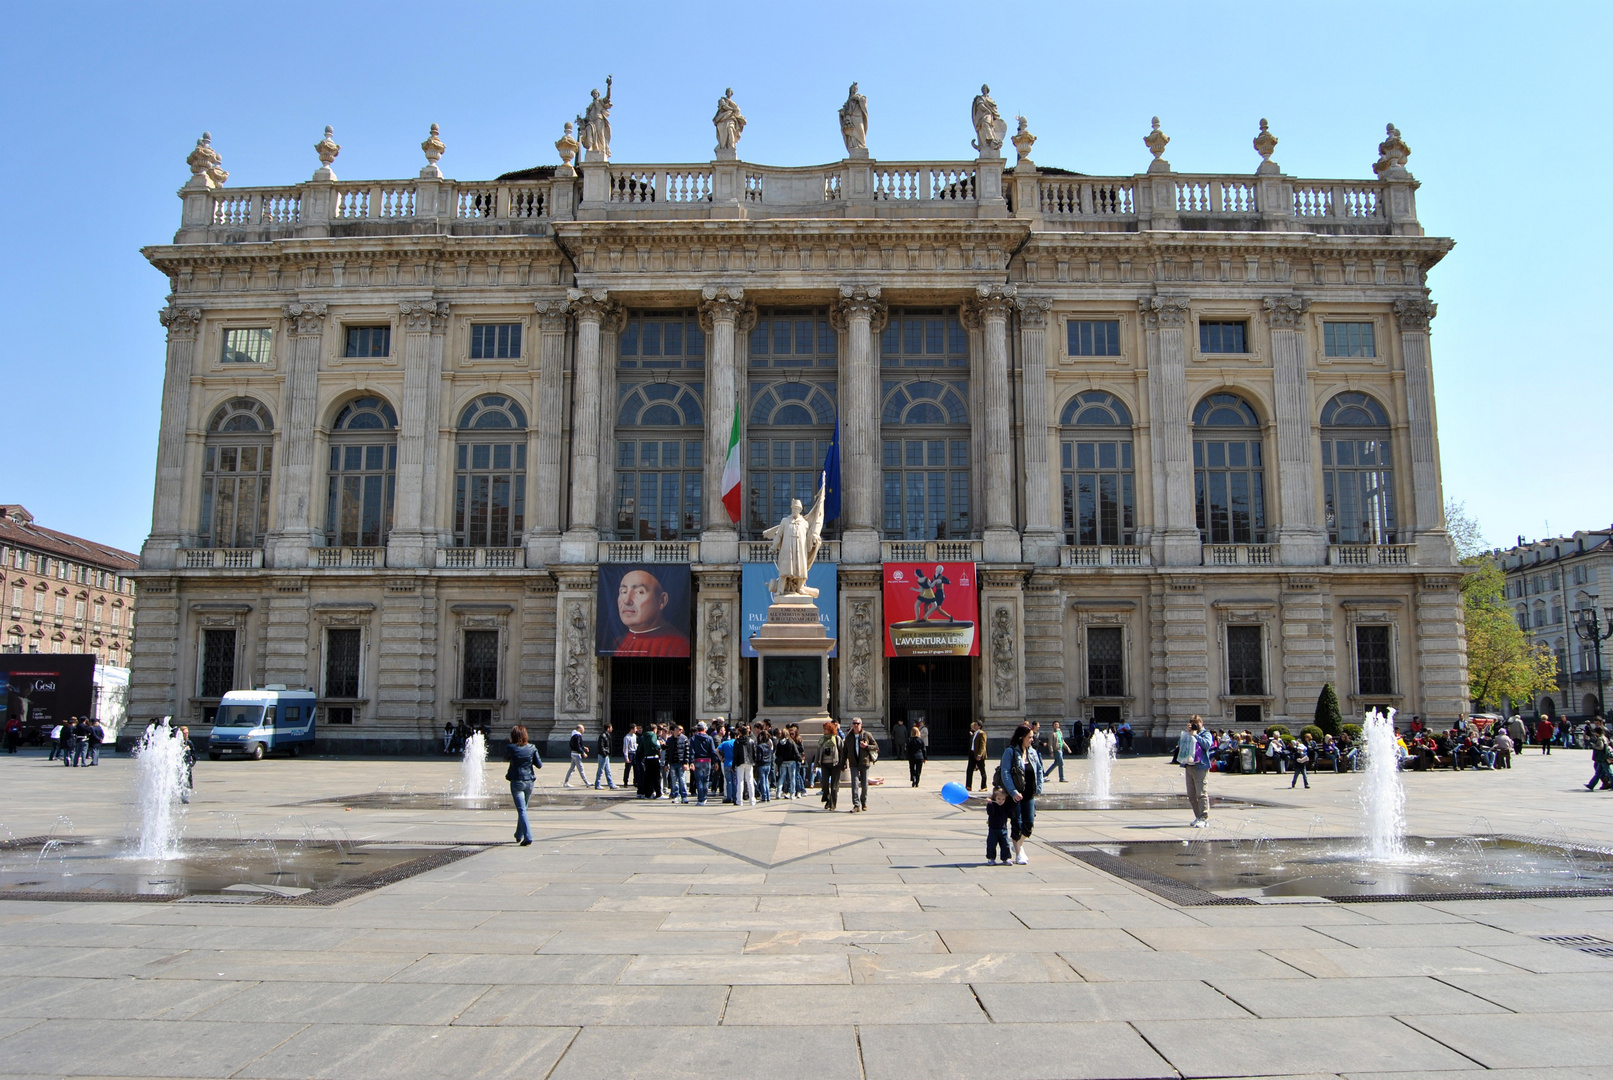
(381,1052)
(1517,1041)
(700,1053)
(346,1003)
(1312,1044)
(1027,1003)
(1386,996)
(143,1047)
(1009,1052)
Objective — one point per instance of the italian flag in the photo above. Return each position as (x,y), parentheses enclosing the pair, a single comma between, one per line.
(730,473)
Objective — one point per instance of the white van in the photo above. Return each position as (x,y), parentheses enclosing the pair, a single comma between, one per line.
(257,722)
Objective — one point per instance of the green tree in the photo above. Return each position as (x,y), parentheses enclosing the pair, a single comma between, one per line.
(1328,717)
(1502,660)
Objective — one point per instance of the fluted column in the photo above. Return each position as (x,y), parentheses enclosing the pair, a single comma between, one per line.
(1428,514)
(992,305)
(183,323)
(861,314)
(293,534)
(547,454)
(1302,542)
(1170,431)
(1041,536)
(590,307)
(413,540)
(720,310)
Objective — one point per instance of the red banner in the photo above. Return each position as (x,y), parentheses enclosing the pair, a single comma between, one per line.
(931,609)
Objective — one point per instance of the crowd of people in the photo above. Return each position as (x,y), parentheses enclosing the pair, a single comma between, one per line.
(77,742)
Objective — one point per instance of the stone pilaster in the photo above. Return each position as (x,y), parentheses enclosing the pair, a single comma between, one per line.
(1170,432)
(577,681)
(1303,542)
(591,308)
(155,659)
(535,703)
(716,646)
(413,540)
(861,314)
(547,455)
(1308,652)
(1428,513)
(991,306)
(1041,544)
(861,644)
(289,654)
(1046,692)
(720,310)
(407,656)
(1179,654)
(288,542)
(160,549)
(1441,645)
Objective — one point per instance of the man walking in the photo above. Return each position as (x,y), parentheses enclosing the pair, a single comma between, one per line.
(703,750)
(862,750)
(602,748)
(579,750)
(1601,756)
(1058,746)
(977,756)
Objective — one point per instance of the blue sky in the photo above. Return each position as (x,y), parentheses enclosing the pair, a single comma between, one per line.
(1504,114)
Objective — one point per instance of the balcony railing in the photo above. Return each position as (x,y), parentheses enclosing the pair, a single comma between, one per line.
(1369,555)
(761,551)
(356,557)
(1083,556)
(649,551)
(1240,554)
(481,558)
(929,550)
(223,558)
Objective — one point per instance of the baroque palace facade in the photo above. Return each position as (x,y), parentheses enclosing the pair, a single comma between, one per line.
(1178,428)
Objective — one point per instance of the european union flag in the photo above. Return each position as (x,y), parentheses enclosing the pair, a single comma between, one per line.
(831,477)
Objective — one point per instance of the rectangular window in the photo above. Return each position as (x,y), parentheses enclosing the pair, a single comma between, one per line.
(250,346)
(341,714)
(1245,662)
(481,665)
(1094,337)
(1348,339)
(924,338)
(661,339)
(341,662)
(1374,672)
(218,663)
(495,341)
(1105,669)
(369,341)
(1222,337)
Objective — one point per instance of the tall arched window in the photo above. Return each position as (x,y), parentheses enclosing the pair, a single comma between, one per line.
(791,424)
(1358,488)
(235,475)
(490,474)
(1228,472)
(659,483)
(1095,455)
(925,429)
(363,474)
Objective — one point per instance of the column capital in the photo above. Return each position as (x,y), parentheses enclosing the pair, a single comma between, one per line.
(305,319)
(182,322)
(1415,313)
(859,302)
(725,303)
(1163,311)
(552,315)
(596,306)
(1285,312)
(991,302)
(423,316)
(1033,311)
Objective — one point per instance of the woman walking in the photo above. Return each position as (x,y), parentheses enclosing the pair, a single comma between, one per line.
(915,753)
(1021,779)
(522,774)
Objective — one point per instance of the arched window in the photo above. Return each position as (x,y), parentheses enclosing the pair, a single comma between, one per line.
(659,458)
(1228,472)
(363,474)
(790,427)
(490,474)
(236,466)
(925,429)
(1358,488)
(1095,455)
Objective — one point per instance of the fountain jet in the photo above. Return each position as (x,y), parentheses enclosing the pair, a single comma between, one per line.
(1383,800)
(1101,752)
(159,782)
(473,767)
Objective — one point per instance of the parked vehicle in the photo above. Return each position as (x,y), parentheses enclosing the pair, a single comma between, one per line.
(253,723)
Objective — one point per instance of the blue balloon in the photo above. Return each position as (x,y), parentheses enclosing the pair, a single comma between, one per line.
(955,793)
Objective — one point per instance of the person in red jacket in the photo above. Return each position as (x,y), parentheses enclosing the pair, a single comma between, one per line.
(1543,733)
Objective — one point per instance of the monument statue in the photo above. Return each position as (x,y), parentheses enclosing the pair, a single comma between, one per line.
(796,540)
(854,121)
(990,127)
(729,121)
(593,126)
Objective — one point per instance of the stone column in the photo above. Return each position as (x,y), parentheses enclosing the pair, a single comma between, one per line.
(591,307)
(1170,432)
(992,305)
(293,535)
(160,550)
(1427,508)
(1041,536)
(1302,542)
(720,309)
(413,540)
(861,314)
(547,457)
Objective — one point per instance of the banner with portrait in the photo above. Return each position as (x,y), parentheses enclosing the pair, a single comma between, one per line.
(931,609)
(44,689)
(755,598)
(643,610)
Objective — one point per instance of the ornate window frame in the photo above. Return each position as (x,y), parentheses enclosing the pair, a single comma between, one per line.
(1128,349)
(1373,611)
(1229,613)
(340,615)
(1107,614)
(480,616)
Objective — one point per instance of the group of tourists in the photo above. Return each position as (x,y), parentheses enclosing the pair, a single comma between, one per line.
(77,742)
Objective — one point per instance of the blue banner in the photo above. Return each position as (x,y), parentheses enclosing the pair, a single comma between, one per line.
(755,598)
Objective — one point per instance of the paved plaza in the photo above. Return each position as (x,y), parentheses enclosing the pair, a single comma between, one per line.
(669,941)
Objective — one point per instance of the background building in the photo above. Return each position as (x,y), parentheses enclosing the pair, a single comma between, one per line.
(1552,585)
(1171,437)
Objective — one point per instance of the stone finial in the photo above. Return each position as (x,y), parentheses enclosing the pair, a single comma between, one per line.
(1156,141)
(327,150)
(567,146)
(434,148)
(1264,144)
(1023,141)
(1392,155)
(206,167)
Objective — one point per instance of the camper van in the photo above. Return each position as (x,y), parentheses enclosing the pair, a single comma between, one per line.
(258,722)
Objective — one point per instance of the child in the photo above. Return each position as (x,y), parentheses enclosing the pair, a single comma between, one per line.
(997,827)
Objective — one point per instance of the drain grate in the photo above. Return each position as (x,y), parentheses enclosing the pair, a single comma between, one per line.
(1585,943)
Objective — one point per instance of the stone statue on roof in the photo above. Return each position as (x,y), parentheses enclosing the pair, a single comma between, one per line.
(593,126)
(854,122)
(990,127)
(730,124)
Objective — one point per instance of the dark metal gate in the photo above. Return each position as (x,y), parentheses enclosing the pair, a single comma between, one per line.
(940,688)
(648,691)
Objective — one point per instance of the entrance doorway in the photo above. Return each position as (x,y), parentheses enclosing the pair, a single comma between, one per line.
(645,690)
(940,689)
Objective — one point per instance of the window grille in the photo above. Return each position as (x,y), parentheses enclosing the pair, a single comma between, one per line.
(1374,670)
(1245,662)
(218,663)
(481,665)
(341,662)
(1105,665)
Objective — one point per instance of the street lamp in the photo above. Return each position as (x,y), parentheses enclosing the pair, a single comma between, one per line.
(1589,628)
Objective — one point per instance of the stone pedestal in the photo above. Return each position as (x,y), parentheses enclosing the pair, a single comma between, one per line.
(793,648)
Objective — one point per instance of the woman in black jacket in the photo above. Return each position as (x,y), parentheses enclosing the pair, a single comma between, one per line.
(915,754)
(522,774)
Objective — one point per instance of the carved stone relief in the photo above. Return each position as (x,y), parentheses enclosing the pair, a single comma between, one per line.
(1004,658)
(862,653)
(579,656)
(718,634)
